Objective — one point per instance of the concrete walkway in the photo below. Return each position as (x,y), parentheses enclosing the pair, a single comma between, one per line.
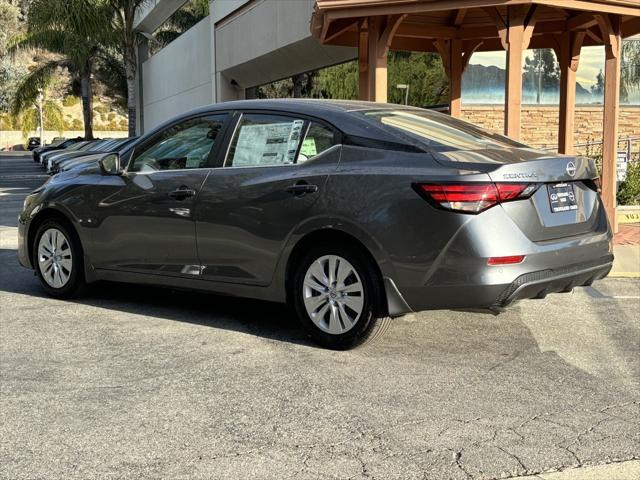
(614,471)
(626,249)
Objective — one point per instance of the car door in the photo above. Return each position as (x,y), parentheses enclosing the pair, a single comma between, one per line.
(274,171)
(145,216)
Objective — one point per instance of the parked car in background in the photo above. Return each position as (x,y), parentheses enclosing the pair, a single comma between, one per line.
(90,158)
(54,146)
(351,212)
(33,143)
(44,156)
(80,148)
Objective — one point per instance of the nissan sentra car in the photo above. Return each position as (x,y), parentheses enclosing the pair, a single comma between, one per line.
(351,212)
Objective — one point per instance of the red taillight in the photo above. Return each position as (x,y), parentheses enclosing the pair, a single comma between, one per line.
(510,260)
(474,197)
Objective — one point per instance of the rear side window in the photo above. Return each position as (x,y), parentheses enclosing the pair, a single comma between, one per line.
(438,131)
(318,139)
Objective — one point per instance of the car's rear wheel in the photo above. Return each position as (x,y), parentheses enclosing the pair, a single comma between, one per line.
(57,257)
(336,293)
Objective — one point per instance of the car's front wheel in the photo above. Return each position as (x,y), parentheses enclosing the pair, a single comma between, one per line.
(336,294)
(58,259)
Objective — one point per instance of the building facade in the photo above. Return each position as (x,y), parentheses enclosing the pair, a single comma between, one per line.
(240,45)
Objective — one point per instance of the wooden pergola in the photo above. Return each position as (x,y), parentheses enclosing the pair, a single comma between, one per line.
(457,28)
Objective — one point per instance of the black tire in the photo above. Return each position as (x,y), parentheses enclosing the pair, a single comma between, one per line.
(76,283)
(372,321)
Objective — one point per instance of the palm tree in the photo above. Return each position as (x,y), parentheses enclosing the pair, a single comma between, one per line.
(53,118)
(76,31)
(125,36)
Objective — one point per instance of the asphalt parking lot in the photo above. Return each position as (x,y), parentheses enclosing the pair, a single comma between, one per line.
(138,382)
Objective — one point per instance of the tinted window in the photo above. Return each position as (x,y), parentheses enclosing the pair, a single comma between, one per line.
(184,145)
(439,131)
(265,140)
(318,139)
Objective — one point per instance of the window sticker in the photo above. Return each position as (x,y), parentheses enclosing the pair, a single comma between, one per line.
(309,148)
(267,144)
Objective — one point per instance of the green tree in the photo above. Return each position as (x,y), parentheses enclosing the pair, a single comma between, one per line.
(630,69)
(76,31)
(541,71)
(597,89)
(182,20)
(29,120)
(9,24)
(125,38)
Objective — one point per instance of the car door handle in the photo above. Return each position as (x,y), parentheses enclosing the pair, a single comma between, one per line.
(300,189)
(182,193)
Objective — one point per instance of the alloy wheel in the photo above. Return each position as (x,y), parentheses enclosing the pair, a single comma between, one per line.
(55,260)
(333,294)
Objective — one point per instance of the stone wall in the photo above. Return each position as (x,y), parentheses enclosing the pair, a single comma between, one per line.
(540,123)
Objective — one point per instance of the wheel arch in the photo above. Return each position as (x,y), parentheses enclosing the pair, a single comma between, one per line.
(51,213)
(325,236)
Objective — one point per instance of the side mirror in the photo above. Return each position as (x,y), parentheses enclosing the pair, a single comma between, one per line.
(110,164)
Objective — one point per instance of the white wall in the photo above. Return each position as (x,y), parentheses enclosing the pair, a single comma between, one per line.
(178,77)
(269,40)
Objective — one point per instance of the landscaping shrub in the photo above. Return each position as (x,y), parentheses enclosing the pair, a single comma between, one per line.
(629,190)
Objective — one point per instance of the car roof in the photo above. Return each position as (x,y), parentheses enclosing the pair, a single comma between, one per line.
(309,106)
(339,113)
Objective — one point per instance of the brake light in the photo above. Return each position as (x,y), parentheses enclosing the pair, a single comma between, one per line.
(510,260)
(473,197)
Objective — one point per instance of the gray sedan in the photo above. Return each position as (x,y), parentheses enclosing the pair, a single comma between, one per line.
(351,212)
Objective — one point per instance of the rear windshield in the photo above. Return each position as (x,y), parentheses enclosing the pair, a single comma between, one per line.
(438,131)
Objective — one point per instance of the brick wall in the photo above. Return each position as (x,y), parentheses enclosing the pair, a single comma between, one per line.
(540,123)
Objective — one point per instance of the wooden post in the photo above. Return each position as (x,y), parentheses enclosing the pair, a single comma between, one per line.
(380,34)
(455,78)
(568,57)
(363,60)
(513,84)
(610,25)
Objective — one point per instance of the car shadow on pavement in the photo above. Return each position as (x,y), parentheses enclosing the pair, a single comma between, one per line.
(260,318)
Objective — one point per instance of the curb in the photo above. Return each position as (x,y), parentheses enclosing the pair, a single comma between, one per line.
(624,275)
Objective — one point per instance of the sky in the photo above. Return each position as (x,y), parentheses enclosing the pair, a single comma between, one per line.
(591,62)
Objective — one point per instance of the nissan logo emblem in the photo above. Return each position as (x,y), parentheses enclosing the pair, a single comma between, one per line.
(571,169)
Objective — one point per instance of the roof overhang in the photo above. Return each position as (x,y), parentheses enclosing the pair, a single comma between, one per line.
(335,22)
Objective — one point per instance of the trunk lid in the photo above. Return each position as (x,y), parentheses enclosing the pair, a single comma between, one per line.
(535,216)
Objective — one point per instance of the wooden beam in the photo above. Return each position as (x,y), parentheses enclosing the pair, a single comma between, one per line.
(529,26)
(338,27)
(458,17)
(568,58)
(350,8)
(610,35)
(444,49)
(581,21)
(379,39)
(613,34)
(520,28)
(469,47)
(500,24)
(631,27)
(363,60)
(455,78)
(595,35)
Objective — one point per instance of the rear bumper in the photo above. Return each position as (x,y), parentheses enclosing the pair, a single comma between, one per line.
(539,284)
(534,284)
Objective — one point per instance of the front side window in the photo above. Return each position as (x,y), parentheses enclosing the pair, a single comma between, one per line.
(182,146)
(264,140)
